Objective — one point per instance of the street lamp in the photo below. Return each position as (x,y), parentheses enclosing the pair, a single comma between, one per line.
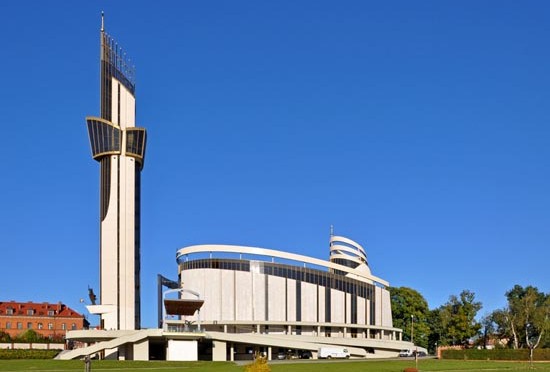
(412,340)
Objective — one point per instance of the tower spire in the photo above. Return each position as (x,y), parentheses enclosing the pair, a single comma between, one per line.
(102,21)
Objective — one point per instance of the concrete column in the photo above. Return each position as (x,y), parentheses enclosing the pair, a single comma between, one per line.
(400,336)
(225,328)
(269,353)
(289,330)
(141,350)
(219,351)
(345,332)
(182,350)
(232,353)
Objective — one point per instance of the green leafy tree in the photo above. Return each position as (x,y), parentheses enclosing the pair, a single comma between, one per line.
(410,313)
(30,336)
(5,337)
(455,321)
(437,335)
(488,330)
(505,324)
(530,311)
(525,318)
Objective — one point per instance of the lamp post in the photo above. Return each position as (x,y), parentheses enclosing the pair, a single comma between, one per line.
(412,340)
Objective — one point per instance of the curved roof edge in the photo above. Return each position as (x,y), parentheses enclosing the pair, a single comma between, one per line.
(351,273)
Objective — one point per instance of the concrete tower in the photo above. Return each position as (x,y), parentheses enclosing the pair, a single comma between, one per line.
(119,147)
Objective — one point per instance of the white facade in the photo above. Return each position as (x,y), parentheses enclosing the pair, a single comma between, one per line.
(118,227)
(257,291)
(246,296)
(119,147)
(275,298)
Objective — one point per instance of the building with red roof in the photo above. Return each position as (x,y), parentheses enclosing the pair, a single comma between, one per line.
(48,320)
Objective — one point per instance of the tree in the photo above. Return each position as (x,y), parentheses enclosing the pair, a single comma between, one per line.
(455,321)
(488,330)
(407,302)
(525,318)
(30,336)
(5,337)
(530,312)
(506,326)
(437,332)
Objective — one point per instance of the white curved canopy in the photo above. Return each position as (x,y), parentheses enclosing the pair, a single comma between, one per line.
(356,273)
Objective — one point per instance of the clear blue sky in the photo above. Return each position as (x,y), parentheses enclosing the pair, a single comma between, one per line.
(419,129)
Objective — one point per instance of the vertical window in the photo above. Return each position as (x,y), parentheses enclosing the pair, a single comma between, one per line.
(8,325)
(50,326)
(73,326)
(9,311)
(51,313)
(354,310)
(30,312)
(298,302)
(19,325)
(29,325)
(40,326)
(63,326)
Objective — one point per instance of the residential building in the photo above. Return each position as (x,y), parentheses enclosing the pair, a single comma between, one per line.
(48,320)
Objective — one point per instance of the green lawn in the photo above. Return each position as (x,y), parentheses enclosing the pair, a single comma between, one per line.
(431,365)
(109,365)
(332,366)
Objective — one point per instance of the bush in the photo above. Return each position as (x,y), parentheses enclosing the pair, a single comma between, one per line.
(496,354)
(259,365)
(30,336)
(5,337)
(27,354)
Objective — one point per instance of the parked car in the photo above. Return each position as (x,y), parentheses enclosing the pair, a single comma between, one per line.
(305,354)
(333,352)
(406,353)
(420,353)
(281,355)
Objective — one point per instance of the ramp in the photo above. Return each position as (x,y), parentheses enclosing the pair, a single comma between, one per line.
(110,344)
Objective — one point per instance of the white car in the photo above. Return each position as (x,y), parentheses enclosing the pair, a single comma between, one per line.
(406,353)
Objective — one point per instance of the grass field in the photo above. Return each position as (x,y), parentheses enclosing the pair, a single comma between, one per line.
(332,366)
